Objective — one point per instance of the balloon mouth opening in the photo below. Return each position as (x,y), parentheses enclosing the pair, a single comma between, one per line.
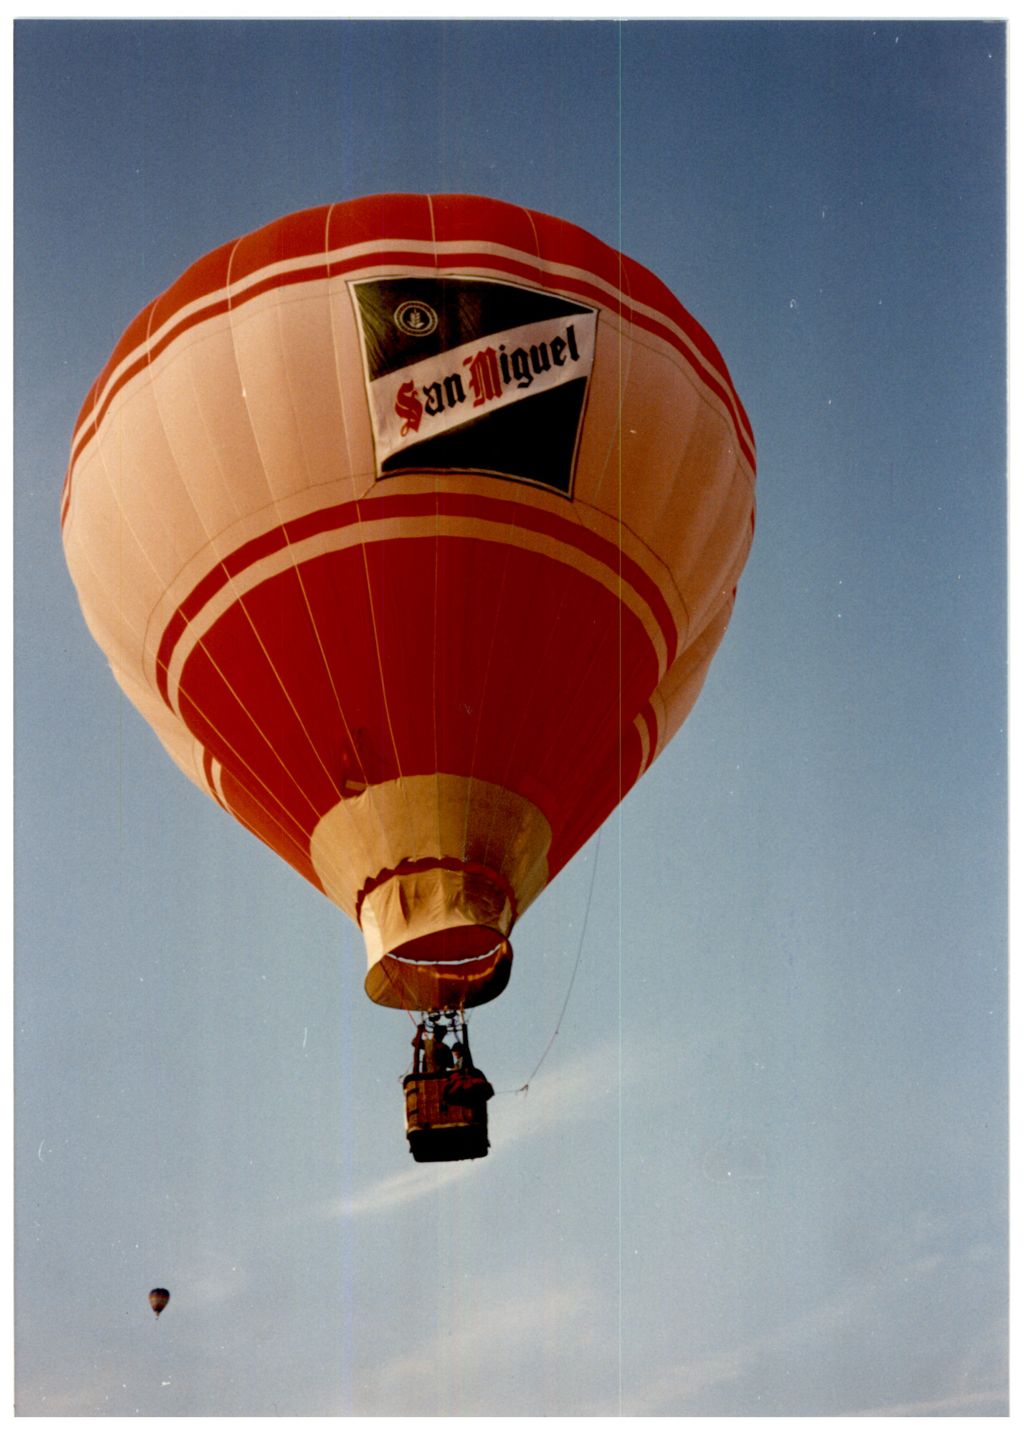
(456,967)
(451,946)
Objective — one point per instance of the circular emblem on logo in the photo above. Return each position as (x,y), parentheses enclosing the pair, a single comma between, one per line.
(415,318)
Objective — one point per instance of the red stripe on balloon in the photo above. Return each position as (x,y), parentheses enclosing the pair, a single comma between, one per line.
(413,505)
(251,810)
(289,239)
(708,376)
(651,723)
(291,712)
(208,774)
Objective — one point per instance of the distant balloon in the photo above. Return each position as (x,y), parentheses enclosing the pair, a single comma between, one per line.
(158,1299)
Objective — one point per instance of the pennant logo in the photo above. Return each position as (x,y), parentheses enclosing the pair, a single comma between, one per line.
(471,375)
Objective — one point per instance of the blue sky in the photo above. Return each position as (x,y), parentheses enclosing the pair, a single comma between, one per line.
(762,1169)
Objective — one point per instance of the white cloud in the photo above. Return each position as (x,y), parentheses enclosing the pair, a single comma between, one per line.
(506,1326)
(994,1399)
(397,1190)
(559,1096)
(82,1400)
(475,1362)
(852,1307)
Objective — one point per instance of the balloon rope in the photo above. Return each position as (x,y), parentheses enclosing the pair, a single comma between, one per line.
(522,1089)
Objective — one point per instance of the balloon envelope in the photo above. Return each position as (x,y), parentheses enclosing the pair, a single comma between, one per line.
(411,525)
(158,1300)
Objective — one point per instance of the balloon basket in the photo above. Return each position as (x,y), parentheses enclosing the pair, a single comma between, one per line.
(446,1116)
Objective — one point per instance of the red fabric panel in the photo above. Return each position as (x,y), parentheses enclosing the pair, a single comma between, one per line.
(410,505)
(287,238)
(470,219)
(362,221)
(267,820)
(390,217)
(521,685)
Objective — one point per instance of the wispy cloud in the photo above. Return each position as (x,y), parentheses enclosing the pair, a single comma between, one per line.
(92,1398)
(396,1190)
(508,1325)
(994,1400)
(471,1361)
(851,1308)
(565,1094)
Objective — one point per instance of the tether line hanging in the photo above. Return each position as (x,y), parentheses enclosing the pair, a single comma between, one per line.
(522,1089)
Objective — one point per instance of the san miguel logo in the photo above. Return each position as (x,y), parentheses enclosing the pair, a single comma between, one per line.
(470,375)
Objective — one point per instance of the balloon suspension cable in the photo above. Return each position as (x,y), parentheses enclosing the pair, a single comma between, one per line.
(524,1088)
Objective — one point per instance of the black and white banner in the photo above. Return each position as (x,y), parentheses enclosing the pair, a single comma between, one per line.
(474,375)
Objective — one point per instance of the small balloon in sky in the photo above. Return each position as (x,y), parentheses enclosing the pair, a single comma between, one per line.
(158,1299)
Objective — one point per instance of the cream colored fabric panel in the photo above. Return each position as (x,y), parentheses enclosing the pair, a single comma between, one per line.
(672,502)
(107,597)
(264,518)
(303,352)
(371,530)
(286,347)
(604,461)
(413,818)
(679,689)
(708,548)
(149,487)
(347,368)
(154,486)
(199,392)
(267,394)
(596,480)
(659,392)
(121,545)
(178,466)
(426,902)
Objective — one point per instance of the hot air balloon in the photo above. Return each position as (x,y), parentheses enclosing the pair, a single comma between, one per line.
(158,1299)
(411,525)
